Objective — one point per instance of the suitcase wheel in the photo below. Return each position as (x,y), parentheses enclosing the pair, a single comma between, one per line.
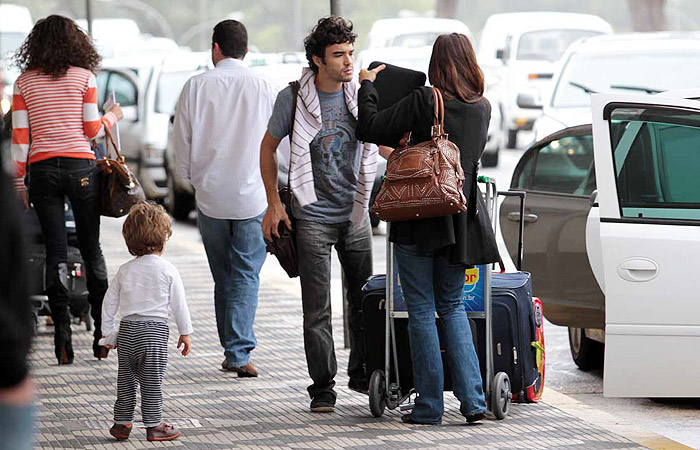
(500,395)
(377,393)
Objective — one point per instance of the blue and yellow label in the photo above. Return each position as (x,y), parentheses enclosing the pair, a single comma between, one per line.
(474,289)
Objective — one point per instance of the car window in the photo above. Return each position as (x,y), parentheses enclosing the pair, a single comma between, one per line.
(170,85)
(656,155)
(124,90)
(548,45)
(102,86)
(564,166)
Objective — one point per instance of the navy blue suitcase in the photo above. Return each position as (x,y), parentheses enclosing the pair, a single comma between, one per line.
(515,329)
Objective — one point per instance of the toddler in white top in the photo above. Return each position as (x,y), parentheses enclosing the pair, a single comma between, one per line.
(142,292)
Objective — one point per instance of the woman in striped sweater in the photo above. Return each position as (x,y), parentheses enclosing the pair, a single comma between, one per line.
(54,107)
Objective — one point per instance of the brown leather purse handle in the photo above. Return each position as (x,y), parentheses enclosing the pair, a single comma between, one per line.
(110,139)
(439,114)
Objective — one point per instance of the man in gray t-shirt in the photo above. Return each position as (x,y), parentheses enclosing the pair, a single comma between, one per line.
(335,156)
(329,156)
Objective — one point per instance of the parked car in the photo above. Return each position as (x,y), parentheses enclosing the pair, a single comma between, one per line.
(418,58)
(564,251)
(647,150)
(412,31)
(626,63)
(15,24)
(148,90)
(520,51)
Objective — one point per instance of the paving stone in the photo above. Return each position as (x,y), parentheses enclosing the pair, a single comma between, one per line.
(217,410)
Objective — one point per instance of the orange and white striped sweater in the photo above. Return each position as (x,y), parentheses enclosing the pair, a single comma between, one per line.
(62,115)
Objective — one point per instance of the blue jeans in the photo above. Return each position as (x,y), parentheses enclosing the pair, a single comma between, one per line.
(432,283)
(236,252)
(16,427)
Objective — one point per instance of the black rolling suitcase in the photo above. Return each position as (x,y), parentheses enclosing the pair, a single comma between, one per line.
(374,312)
(77,282)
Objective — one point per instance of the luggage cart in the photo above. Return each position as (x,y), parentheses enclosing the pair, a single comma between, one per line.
(385,392)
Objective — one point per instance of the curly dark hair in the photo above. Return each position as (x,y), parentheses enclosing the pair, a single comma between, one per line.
(55,44)
(146,229)
(328,31)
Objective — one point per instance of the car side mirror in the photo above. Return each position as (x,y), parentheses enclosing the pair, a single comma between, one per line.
(528,101)
(172,119)
(593,199)
(501,54)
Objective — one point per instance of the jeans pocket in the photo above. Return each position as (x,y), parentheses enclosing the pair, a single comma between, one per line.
(43,184)
(84,183)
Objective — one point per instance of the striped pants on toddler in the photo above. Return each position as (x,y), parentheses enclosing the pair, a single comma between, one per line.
(142,346)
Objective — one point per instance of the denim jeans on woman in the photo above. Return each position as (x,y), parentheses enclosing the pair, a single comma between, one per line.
(236,252)
(431,283)
(354,246)
(50,182)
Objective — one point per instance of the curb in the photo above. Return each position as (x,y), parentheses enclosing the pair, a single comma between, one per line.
(609,422)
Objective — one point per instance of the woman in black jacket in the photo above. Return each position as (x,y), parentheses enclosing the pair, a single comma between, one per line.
(433,254)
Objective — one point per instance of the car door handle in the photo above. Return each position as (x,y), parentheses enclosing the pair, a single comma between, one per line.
(638,269)
(515,217)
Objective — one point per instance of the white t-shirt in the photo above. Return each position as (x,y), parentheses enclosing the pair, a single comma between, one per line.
(146,286)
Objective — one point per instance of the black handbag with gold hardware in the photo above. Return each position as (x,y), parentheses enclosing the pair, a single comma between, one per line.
(119,188)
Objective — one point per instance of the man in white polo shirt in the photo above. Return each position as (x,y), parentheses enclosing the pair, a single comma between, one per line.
(221,118)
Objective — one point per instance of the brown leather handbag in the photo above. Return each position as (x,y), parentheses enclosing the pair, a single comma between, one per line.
(423,180)
(119,188)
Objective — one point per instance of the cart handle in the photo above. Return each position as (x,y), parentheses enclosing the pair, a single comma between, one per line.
(521,228)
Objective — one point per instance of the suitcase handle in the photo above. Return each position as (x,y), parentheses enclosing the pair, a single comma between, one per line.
(521,219)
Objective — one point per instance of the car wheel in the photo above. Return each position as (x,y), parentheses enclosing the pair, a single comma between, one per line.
(587,353)
(179,203)
(490,159)
(512,140)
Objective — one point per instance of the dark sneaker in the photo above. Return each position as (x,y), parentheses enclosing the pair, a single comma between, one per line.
(471,418)
(323,403)
(408,418)
(359,385)
(120,432)
(163,432)
(247,371)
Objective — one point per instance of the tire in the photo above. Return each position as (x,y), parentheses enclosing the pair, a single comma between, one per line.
(377,393)
(179,203)
(501,395)
(490,159)
(586,353)
(512,140)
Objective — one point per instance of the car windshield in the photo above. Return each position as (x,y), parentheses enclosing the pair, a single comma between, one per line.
(416,39)
(170,85)
(548,45)
(624,74)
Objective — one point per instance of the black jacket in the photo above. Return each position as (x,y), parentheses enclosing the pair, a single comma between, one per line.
(15,309)
(465,237)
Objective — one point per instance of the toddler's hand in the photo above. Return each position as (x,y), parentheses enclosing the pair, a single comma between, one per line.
(186,343)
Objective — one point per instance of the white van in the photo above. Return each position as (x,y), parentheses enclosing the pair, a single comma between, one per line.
(15,24)
(412,31)
(519,52)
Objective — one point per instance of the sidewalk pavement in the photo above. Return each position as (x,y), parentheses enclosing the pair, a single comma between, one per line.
(217,410)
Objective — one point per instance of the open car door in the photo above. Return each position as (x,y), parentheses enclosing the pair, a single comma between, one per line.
(647,164)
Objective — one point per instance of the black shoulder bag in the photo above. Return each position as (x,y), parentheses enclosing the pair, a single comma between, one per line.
(284,247)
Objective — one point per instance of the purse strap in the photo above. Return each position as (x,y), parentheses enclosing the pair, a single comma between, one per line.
(110,139)
(438,128)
